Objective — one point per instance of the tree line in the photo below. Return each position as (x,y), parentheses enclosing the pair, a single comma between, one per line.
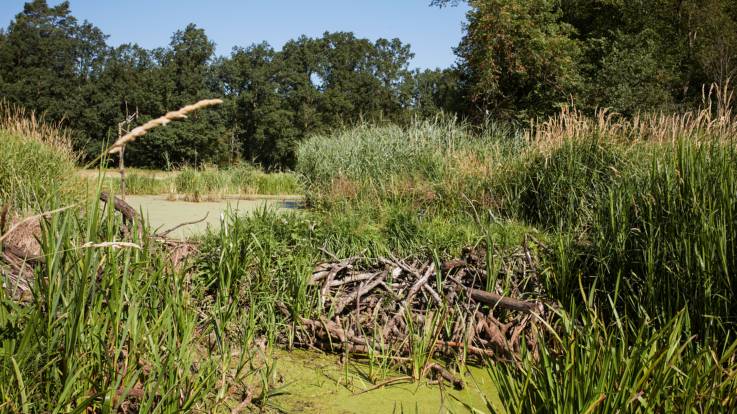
(56,65)
(518,59)
(521,59)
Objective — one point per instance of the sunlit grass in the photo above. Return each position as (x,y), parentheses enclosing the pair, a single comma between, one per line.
(640,239)
(202,184)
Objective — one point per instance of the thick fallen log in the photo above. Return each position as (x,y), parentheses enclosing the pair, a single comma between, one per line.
(492,299)
(129,213)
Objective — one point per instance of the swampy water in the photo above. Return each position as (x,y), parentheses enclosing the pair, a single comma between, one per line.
(313,382)
(310,381)
(163,213)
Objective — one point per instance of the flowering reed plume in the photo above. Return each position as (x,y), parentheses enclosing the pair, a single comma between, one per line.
(171,116)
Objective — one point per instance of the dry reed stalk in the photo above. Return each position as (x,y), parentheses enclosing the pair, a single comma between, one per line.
(171,116)
(715,120)
(19,121)
(114,245)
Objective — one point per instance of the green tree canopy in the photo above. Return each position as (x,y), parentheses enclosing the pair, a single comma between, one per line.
(519,58)
(522,58)
(311,85)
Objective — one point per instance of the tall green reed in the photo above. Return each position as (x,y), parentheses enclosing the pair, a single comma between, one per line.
(597,367)
(105,324)
(669,235)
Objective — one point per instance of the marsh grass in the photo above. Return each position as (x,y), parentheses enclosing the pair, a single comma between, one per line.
(669,234)
(37,162)
(115,326)
(639,238)
(105,322)
(200,184)
(623,367)
(112,325)
(420,164)
(639,213)
(17,121)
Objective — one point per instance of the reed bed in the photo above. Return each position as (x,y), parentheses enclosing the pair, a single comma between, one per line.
(639,216)
(119,324)
(652,217)
(206,184)
(715,120)
(634,244)
(16,120)
(595,367)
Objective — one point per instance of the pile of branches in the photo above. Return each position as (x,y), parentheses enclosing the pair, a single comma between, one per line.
(455,307)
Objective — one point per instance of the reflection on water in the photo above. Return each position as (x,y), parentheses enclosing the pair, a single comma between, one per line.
(292,204)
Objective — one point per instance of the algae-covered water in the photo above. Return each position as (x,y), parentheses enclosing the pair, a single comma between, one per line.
(318,383)
(164,214)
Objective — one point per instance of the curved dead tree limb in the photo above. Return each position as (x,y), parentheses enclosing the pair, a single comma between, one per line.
(129,213)
(178,226)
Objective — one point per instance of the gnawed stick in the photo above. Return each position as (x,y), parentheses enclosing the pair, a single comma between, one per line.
(469,348)
(353,279)
(432,293)
(493,299)
(356,295)
(329,330)
(337,268)
(410,295)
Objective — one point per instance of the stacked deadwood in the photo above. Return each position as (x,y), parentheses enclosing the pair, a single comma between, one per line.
(388,304)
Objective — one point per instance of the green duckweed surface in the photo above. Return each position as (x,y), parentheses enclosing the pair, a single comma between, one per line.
(164,214)
(318,383)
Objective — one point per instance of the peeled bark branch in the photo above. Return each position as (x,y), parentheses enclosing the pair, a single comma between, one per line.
(492,299)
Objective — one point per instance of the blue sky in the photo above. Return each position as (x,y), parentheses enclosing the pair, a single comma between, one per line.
(432,32)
